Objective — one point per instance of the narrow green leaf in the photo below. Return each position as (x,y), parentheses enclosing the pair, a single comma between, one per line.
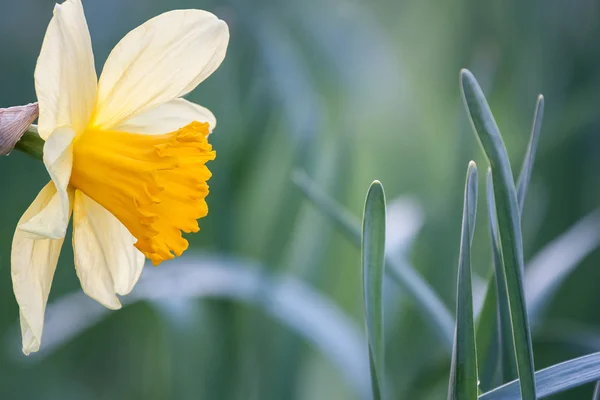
(596,395)
(463,370)
(433,309)
(349,224)
(506,354)
(486,332)
(509,226)
(544,274)
(555,379)
(493,337)
(373,261)
(305,252)
(527,167)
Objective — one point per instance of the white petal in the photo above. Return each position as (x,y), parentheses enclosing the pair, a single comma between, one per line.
(167,118)
(65,76)
(161,60)
(105,259)
(33,263)
(52,221)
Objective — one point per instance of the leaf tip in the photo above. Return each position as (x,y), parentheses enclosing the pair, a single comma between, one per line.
(466,76)
(472,168)
(376,188)
(540,100)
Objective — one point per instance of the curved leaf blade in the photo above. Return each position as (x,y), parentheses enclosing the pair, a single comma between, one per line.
(507,362)
(527,167)
(555,379)
(509,226)
(596,395)
(348,224)
(373,261)
(493,327)
(433,309)
(463,371)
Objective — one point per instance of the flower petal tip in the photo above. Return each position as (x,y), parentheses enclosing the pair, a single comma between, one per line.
(36,229)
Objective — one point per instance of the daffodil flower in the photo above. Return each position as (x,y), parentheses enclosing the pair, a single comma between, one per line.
(125,153)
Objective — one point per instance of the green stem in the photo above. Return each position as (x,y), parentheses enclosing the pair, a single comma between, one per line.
(31,143)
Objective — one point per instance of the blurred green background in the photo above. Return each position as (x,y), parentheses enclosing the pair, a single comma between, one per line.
(268,303)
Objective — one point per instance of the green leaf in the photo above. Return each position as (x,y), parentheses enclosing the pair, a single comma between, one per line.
(596,395)
(527,167)
(494,338)
(433,309)
(507,362)
(509,226)
(486,332)
(543,276)
(373,261)
(349,224)
(463,370)
(555,379)
(306,248)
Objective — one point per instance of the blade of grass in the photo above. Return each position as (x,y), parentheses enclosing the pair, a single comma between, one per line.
(509,226)
(506,354)
(555,379)
(493,335)
(305,254)
(373,261)
(486,332)
(527,167)
(433,309)
(596,395)
(463,371)
(348,224)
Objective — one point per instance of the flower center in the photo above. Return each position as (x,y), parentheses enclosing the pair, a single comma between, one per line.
(154,184)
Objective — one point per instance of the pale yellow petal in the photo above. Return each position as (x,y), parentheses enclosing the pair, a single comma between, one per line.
(161,60)
(106,261)
(167,118)
(33,263)
(52,221)
(65,76)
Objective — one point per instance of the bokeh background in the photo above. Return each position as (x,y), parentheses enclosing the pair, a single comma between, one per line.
(268,303)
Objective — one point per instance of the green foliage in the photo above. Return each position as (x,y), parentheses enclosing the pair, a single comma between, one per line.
(463,370)
(554,379)
(596,394)
(509,227)
(373,256)
(496,348)
(500,323)
(431,306)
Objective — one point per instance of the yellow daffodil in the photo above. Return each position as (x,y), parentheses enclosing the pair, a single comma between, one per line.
(125,153)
